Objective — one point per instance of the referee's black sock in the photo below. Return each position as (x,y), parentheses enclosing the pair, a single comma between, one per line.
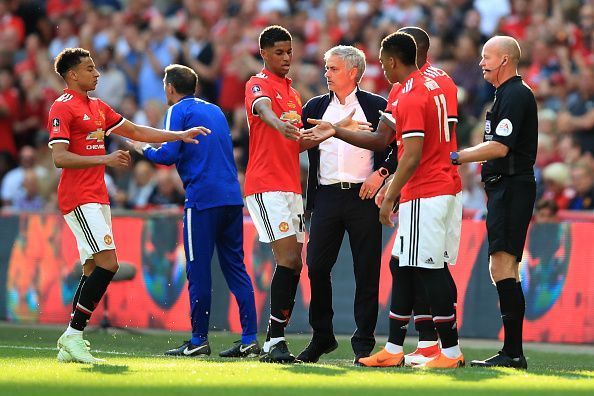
(281,295)
(521,313)
(510,305)
(402,301)
(83,278)
(90,295)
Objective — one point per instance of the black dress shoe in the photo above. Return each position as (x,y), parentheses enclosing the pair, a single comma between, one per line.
(359,356)
(502,359)
(316,348)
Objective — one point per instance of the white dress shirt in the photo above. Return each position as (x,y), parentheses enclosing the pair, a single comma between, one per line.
(339,160)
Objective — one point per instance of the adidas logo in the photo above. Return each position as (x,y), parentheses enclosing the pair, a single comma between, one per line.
(86,118)
(429,261)
(278,96)
(446,255)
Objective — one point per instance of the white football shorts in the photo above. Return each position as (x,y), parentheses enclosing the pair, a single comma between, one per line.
(91,225)
(428,231)
(277,215)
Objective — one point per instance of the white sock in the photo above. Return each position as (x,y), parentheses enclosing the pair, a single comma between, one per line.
(426,344)
(71,331)
(452,352)
(393,348)
(266,346)
(274,341)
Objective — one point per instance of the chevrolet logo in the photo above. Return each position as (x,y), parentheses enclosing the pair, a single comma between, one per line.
(292,116)
(98,135)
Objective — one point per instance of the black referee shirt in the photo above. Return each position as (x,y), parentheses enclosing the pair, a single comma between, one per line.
(512,121)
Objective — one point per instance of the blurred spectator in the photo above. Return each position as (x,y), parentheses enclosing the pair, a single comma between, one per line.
(546,212)
(491,11)
(8,111)
(467,75)
(142,185)
(11,23)
(65,37)
(111,87)
(556,180)
(199,54)
(27,198)
(582,179)
(167,192)
(158,48)
(34,104)
(579,117)
(12,183)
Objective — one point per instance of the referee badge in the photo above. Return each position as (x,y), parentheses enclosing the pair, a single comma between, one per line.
(504,128)
(488,126)
(283,227)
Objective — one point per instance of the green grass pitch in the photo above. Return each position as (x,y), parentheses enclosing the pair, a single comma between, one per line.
(135,366)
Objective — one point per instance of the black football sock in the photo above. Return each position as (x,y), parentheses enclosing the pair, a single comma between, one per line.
(509,304)
(83,278)
(281,295)
(402,301)
(521,313)
(422,313)
(441,301)
(90,294)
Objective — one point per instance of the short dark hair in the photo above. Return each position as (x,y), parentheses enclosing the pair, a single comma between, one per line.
(69,58)
(402,46)
(273,34)
(182,78)
(421,37)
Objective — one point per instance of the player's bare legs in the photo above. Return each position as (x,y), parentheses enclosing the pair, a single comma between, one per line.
(287,254)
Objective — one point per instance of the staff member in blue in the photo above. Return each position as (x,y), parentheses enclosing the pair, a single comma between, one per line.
(213,211)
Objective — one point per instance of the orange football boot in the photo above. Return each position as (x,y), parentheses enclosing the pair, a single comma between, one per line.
(383,358)
(444,362)
(421,355)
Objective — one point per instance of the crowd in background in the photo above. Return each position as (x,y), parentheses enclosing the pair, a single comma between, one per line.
(132,41)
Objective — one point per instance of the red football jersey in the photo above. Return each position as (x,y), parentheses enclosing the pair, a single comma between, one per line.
(420,110)
(450,90)
(82,123)
(273,163)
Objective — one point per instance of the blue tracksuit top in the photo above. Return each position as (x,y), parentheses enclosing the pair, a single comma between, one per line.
(207,169)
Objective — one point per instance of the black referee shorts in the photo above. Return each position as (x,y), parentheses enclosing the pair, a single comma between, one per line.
(510,201)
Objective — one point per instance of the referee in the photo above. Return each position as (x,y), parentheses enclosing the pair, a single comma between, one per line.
(509,151)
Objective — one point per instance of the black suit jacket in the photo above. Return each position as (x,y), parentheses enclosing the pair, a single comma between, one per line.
(371,105)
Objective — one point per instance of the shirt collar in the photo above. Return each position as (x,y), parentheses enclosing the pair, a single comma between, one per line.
(425,67)
(76,94)
(271,76)
(350,98)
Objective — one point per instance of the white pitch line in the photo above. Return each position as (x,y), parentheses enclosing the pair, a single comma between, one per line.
(56,349)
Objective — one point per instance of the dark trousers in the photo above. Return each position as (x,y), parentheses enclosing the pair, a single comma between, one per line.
(337,211)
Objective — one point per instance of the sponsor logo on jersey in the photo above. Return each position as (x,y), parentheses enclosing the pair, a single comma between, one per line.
(107,239)
(504,128)
(283,227)
(291,105)
(291,116)
(98,135)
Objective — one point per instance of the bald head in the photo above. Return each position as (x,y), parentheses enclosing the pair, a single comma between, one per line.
(505,45)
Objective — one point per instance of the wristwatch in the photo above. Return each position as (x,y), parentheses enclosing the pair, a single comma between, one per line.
(383,172)
(454,157)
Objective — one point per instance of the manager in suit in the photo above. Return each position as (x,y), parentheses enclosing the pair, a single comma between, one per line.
(342,181)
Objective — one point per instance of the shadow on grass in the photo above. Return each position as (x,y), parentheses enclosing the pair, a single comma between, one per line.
(106,369)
